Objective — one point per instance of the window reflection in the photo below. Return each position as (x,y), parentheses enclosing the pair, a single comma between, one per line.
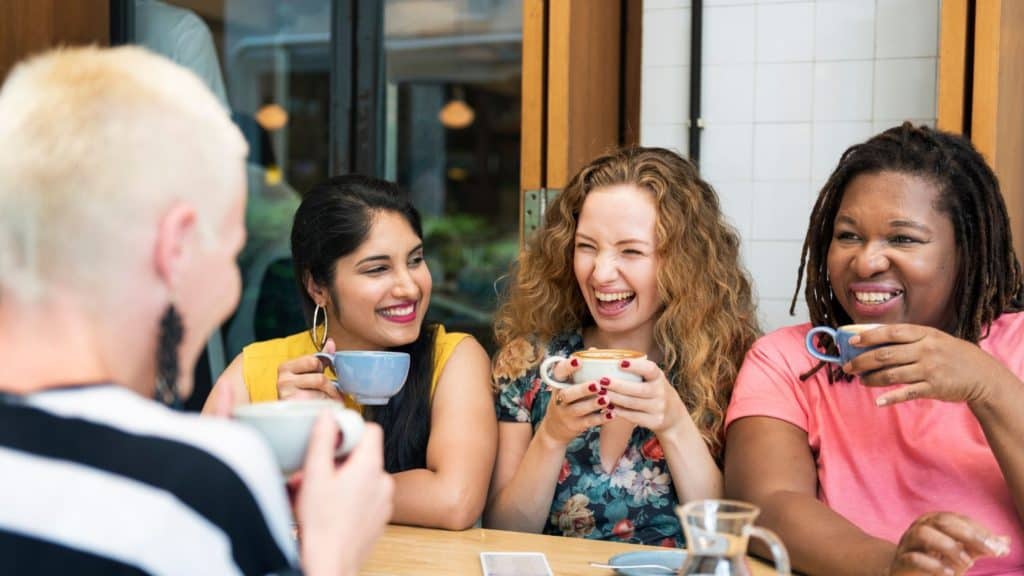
(452,140)
(450,133)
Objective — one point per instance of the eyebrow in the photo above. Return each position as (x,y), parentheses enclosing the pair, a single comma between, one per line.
(841,219)
(620,242)
(385,257)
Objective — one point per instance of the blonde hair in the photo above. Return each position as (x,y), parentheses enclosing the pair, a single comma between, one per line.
(95,144)
(709,319)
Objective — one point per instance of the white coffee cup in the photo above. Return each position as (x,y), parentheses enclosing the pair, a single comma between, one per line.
(595,363)
(286,427)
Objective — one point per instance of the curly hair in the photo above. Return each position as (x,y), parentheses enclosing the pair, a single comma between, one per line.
(988,277)
(708,321)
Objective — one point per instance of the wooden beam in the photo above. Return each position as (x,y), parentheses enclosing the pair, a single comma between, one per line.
(585,50)
(953,66)
(996,116)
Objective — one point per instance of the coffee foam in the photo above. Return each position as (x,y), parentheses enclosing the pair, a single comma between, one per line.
(607,354)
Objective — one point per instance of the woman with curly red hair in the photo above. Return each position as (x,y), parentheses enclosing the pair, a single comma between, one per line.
(634,254)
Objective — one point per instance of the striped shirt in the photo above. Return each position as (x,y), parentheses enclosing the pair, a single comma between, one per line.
(98,480)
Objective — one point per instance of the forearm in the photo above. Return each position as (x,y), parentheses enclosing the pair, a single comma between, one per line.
(819,540)
(427,498)
(524,502)
(695,474)
(999,415)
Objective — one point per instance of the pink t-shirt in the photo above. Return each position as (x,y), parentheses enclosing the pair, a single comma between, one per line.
(882,467)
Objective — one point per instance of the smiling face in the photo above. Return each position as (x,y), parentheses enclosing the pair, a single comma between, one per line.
(614,259)
(380,291)
(893,256)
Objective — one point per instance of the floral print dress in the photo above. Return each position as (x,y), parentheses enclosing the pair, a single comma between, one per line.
(635,503)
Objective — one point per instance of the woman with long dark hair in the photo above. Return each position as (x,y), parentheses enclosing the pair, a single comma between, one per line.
(357,246)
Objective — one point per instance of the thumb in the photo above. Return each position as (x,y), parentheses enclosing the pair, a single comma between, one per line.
(320,453)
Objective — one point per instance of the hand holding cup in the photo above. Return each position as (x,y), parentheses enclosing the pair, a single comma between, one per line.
(573,408)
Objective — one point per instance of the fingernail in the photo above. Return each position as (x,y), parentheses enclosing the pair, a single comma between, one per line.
(611,406)
(605,381)
(965,558)
(948,571)
(881,401)
(602,400)
(999,545)
(603,391)
(625,363)
(855,340)
(592,387)
(608,415)
(574,363)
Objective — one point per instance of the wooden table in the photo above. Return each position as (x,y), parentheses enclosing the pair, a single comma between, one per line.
(424,551)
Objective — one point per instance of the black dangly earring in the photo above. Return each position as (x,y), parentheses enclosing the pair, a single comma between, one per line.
(167,344)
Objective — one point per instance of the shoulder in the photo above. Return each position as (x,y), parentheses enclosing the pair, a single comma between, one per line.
(299,344)
(518,359)
(1009,327)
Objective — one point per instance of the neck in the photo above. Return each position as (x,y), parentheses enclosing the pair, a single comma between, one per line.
(56,343)
(640,339)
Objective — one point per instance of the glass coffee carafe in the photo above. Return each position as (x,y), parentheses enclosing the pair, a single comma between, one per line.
(716,538)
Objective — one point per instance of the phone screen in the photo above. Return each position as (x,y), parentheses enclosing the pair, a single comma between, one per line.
(514,564)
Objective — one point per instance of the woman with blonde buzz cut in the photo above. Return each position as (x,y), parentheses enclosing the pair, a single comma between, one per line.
(634,254)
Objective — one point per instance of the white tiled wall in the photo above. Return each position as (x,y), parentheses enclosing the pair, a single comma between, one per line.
(787,85)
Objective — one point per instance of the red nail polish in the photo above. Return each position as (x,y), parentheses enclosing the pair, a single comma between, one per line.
(611,406)
(602,401)
(603,391)
(625,363)
(605,381)
(574,362)
(592,387)
(608,415)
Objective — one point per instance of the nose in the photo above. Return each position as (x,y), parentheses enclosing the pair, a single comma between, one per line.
(405,287)
(606,268)
(870,260)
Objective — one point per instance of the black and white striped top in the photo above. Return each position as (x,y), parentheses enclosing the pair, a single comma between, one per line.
(98,480)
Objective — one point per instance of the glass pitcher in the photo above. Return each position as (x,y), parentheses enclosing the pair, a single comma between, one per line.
(716,538)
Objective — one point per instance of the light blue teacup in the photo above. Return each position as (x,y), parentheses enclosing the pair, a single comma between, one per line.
(841,336)
(286,426)
(372,377)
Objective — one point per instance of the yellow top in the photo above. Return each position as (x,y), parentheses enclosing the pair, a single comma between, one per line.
(261,359)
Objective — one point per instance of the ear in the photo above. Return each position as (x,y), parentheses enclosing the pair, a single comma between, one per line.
(174,242)
(317,292)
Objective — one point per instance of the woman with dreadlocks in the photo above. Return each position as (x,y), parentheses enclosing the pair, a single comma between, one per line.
(854,465)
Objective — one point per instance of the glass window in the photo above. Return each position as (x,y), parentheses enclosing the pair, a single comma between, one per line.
(454,73)
(448,132)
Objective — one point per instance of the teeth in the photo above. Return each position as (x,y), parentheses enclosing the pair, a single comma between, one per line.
(875,297)
(613,296)
(397,311)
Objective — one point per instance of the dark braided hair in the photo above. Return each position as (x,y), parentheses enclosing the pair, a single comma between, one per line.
(989,280)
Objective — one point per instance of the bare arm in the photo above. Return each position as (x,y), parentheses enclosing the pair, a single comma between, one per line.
(933,364)
(451,491)
(231,378)
(999,414)
(768,462)
(528,466)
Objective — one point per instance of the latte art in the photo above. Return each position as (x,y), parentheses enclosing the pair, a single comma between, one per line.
(607,354)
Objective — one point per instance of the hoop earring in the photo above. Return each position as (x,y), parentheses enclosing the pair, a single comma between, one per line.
(168,342)
(322,341)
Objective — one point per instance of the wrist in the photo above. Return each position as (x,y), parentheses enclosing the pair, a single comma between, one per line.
(549,440)
(322,557)
(992,394)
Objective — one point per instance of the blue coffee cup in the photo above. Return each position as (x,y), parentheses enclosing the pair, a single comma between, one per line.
(372,377)
(841,336)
